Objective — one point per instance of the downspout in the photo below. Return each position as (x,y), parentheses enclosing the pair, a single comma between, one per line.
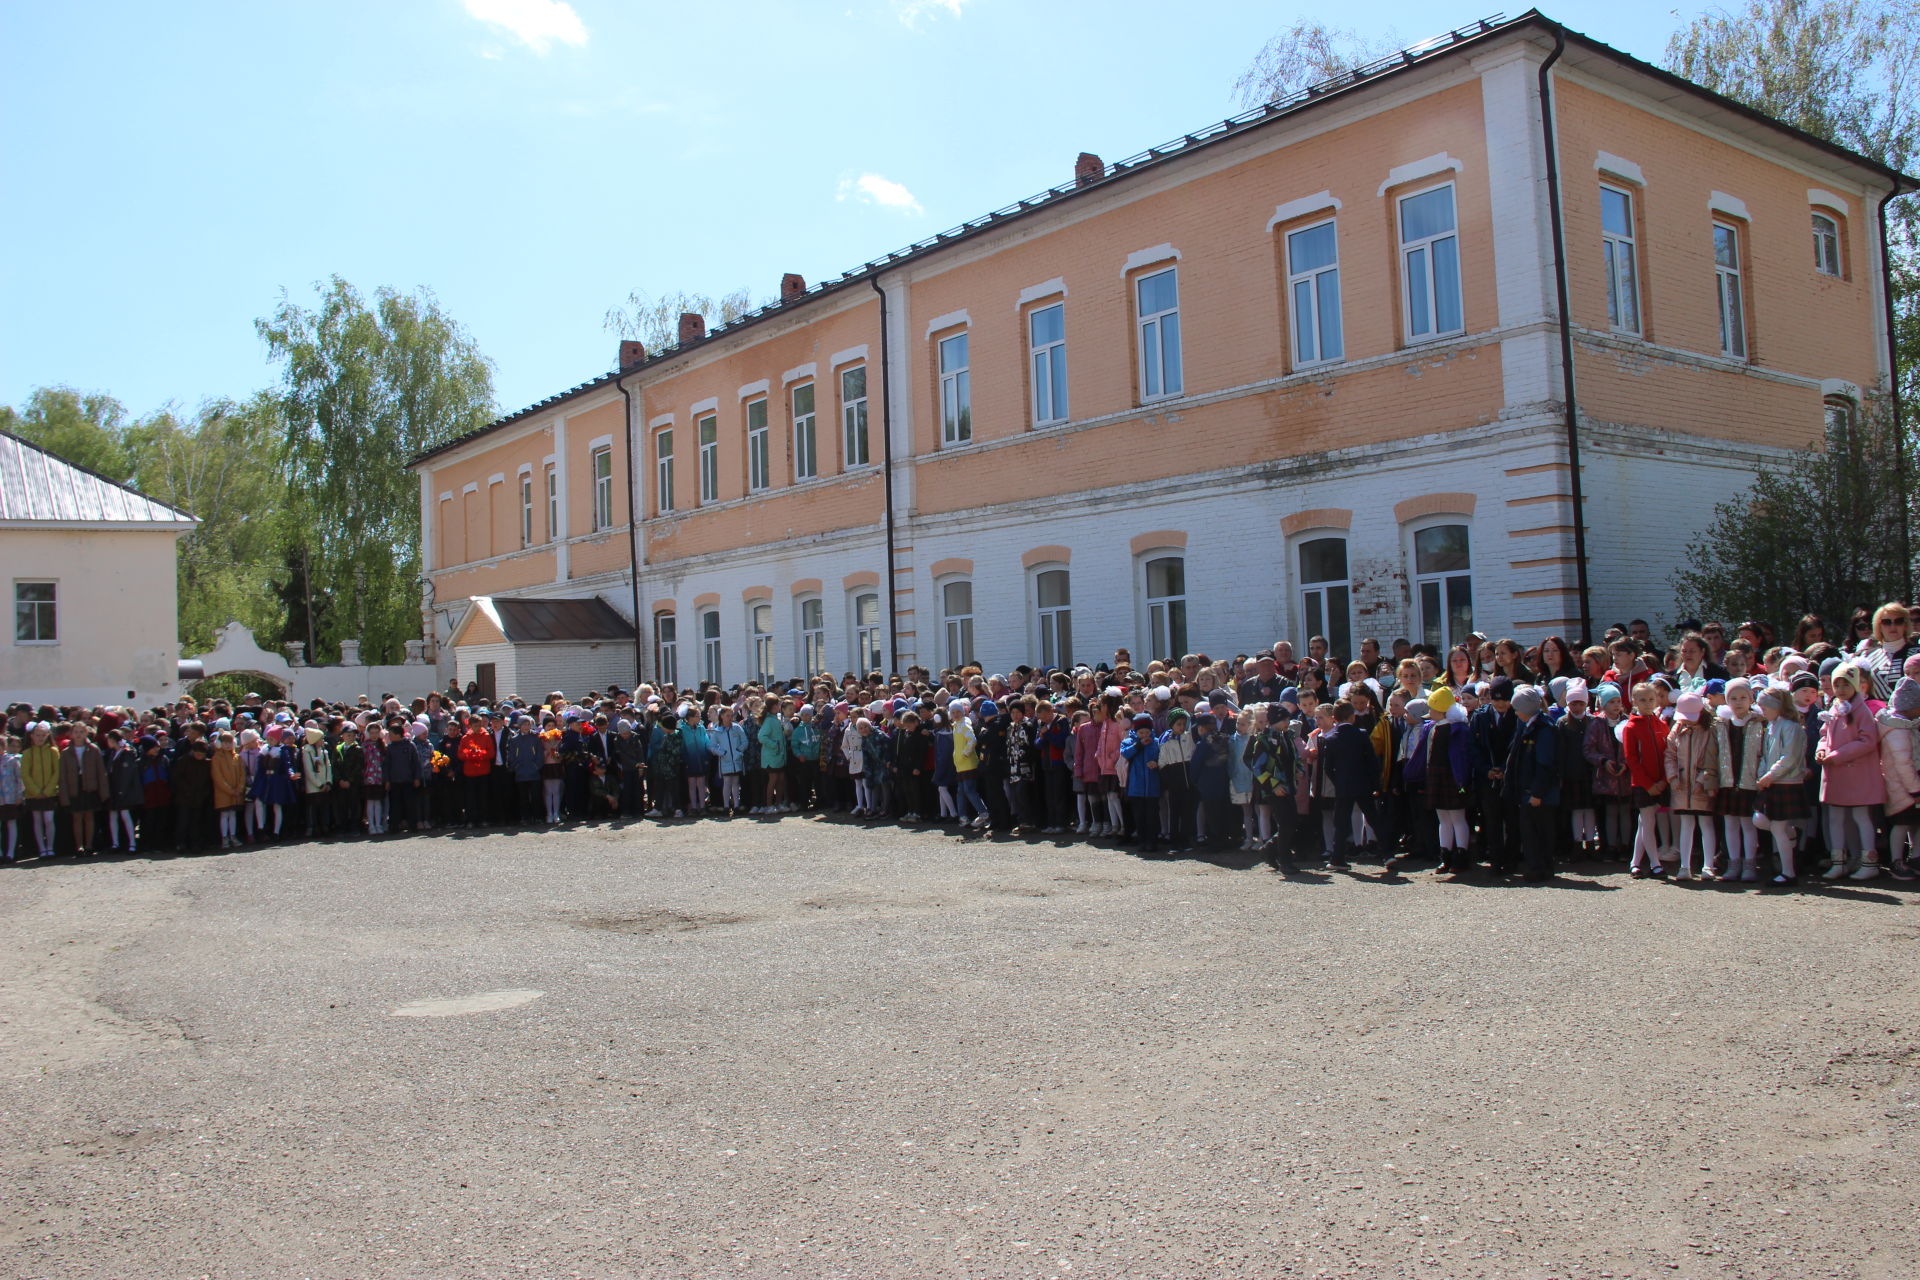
(1566,337)
(1893,388)
(886,468)
(633,532)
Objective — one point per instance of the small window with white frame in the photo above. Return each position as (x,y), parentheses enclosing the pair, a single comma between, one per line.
(956,390)
(666,648)
(663,470)
(1047,346)
(1166,603)
(526,508)
(806,437)
(1326,592)
(603,488)
(36,612)
(708,428)
(956,622)
(1617,246)
(1313,293)
(1157,328)
(1430,264)
(1053,610)
(1728,285)
(760,624)
(759,460)
(853,416)
(553,503)
(710,646)
(866,631)
(813,636)
(1826,244)
(1443,584)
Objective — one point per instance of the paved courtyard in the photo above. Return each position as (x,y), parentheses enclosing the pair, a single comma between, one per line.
(807,1049)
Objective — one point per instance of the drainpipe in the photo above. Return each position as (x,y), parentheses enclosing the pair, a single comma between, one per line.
(1893,387)
(633,533)
(1566,337)
(886,467)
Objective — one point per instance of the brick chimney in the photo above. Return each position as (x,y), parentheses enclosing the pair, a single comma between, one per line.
(1088,169)
(693,327)
(792,285)
(631,354)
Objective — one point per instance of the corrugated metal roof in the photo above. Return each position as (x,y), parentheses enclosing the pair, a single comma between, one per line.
(35,485)
(527,621)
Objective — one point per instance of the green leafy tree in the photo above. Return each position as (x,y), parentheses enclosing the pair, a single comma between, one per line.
(656,321)
(365,385)
(81,427)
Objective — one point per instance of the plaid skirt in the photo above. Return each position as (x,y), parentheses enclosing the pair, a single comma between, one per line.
(1737,802)
(1785,803)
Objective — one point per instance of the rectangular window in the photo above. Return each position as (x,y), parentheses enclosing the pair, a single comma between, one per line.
(866,633)
(710,646)
(1726,272)
(603,488)
(1325,594)
(1443,584)
(1053,593)
(956,391)
(553,503)
(35,613)
(759,473)
(813,637)
(1167,607)
(1047,341)
(1313,284)
(1158,299)
(956,616)
(526,508)
(666,633)
(663,470)
(806,449)
(853,415)
(709,428)
(1826,245)
(760,621)
(1623,272)
(1430,264)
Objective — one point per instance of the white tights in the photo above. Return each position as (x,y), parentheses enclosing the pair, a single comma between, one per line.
(1584,826)
(1784,834)
(1454,832)
(1116,819)
(1860,818)
(729,791)
(948,811)
(551,789)
(13,837)
(376,816)
(1743,847)
(229,823)
(1646,841)
(43,830)
(1709,843)
(115,817)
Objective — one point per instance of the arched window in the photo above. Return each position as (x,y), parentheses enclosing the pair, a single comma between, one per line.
(813,636)
(866,631)
(1325,594)
(760,623)
(1166,597)
(710,645)
(1053,601)
(666,660)
(956,621)
(1443,584)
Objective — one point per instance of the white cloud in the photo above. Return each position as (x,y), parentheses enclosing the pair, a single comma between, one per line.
(534,23)
(874,189)
(911,11)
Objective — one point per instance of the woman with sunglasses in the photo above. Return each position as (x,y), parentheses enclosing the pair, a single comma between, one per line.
(1891,644)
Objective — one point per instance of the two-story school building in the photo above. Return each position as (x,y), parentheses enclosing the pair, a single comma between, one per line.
(1306,371)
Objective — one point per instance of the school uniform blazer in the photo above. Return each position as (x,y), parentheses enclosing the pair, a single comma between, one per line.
(83,771)
(1489,739)
(1739,769)
(1533,764)
(1851,775)
(1783,753)
(125,788)
(1347,757)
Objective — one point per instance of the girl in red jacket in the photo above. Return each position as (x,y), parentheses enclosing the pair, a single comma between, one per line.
(1645,745)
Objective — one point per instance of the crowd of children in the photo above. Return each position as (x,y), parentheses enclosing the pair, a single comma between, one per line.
(1725,758)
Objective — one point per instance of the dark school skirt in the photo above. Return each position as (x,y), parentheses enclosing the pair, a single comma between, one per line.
(1785,803)
(1645,799)
(39,804)
(1737,802)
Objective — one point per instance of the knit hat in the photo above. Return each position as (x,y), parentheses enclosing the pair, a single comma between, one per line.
(1178,713)
(1716,688)
(1828,666)
(1527,700)
(1732,686)
(1162,694)
(1854,674)
(1291,697)
(1688,708)
(1501,689)
(1779,699)
(315,737)
(1906,697)
(1803,680)
(1607,692)
(1557,689)
(1575,691)
(989,708)
(1203,708)
(1418,708)
(1143,719)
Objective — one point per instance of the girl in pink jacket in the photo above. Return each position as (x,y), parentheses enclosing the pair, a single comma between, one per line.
(1900,769)
(1850,781)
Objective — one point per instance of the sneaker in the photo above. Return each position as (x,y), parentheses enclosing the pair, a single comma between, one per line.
(1749,876)
(1867,871)
(1834,872)
(1900,871)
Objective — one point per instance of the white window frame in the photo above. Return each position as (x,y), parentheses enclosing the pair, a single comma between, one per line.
(710,645)
(1417,581)
(1730,291)
(602,487)
(663,470)
(957,637)
(806,432)
(1426,245)
(666,647)
(1158,612)
(1826,244)
(50,606)
(956,387)
(1150,333)
(1315,598)
(706,430)
(866,635)
(1047,368)
(853,420)
(1620,258)
(759,454)
(526,509)
(553,502)
(1311,277)
(758,612)
(1053,623)
(813,638)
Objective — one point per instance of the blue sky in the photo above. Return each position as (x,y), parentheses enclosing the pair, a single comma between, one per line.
(170,168)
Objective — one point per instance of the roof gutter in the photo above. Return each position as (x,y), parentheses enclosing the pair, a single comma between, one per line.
(1576,490)
(886,469)
(633,531)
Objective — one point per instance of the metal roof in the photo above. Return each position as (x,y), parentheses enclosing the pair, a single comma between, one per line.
(35,486)
(532,621)
(1451,42)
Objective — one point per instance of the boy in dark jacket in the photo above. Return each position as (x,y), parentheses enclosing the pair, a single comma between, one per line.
(1532,783)
(1348,758)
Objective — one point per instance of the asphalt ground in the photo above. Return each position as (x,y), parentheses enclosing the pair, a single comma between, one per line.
(806,1048)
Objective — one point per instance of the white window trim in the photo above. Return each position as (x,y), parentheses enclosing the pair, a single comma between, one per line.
(752,389)
(1632,243)
(1731,206)
(472,486)
(498,477)
(1409,532)
(793,422)
(1026,322)
(1293,318)
(801,632)
(600,442)
(446,495)
(662,648)
(664,420)
(1828,200)
(1436,334)
(37,644)
(858,630)
(1316,203)
(941,375)
(1738,271)
(1147,601)
(951,320)
(702,414)
(1609,163)
(664,480)
(1414,170)
(1140,322)
(799,372)
(846,458)
(526,469)
(848,356)
(1045,289)
(1301,586)
(1832,216)
(949,659)
(602,518)
(1148,258)
(1041,613)
(765,433)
